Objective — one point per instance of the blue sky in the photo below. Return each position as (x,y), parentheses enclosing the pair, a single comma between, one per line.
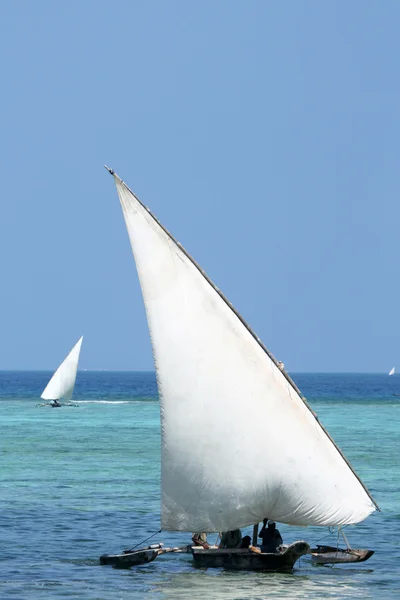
(264,135)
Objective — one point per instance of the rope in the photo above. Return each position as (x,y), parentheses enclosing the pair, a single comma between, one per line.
(143,541)
(332,531)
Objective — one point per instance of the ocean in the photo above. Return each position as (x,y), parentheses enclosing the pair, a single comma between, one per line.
(82,481)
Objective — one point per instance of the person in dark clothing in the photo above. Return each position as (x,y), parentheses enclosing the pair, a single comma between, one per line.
(271,538)
(246,541)
(55,403)
(231,539)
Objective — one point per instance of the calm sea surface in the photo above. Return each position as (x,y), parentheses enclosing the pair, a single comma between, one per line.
(82,481)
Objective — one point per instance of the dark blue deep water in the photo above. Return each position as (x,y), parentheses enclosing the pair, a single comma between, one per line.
(82,481)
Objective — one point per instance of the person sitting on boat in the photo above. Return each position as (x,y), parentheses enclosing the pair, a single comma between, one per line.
(246,542)
(200,539)
(55,403)
(231,539)
(271,538)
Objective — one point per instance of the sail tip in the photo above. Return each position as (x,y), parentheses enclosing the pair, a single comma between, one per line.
(111,171)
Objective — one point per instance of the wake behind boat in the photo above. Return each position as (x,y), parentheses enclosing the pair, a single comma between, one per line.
(214,375)
(61,385)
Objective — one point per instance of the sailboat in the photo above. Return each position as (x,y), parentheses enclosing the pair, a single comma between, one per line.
(392,371)
(239,442)
(61,385)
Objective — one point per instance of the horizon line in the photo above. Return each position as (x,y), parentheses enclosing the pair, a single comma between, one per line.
(51,370)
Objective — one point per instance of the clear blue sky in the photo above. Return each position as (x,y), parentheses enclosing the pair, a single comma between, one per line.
(264,135)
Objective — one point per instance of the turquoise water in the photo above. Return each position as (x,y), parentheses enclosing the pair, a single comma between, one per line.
(79,482)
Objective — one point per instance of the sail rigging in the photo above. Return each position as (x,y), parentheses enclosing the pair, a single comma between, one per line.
(61,385)
(239,443)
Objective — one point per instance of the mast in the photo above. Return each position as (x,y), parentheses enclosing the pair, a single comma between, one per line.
(248,328)
(255,534)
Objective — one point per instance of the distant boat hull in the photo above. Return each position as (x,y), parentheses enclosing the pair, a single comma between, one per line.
(246,559)
(48,405)
(329,555)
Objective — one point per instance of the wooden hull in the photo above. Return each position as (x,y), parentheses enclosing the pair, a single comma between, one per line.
(246,559)
(329,555)
(129,559)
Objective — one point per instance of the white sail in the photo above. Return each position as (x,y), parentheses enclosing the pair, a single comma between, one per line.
(61,385)
(238,442)
(392,371)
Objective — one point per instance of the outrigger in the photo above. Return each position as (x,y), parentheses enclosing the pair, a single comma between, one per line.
(332,555)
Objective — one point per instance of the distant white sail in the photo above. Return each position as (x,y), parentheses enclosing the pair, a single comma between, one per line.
(61,385)
(392,371)
(238,442)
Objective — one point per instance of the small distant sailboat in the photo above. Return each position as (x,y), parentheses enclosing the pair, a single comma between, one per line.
(262,452)
(392,371)
(61,385)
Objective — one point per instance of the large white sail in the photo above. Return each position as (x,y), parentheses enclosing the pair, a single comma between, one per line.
(392,371)
(238,442)
(61,385)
